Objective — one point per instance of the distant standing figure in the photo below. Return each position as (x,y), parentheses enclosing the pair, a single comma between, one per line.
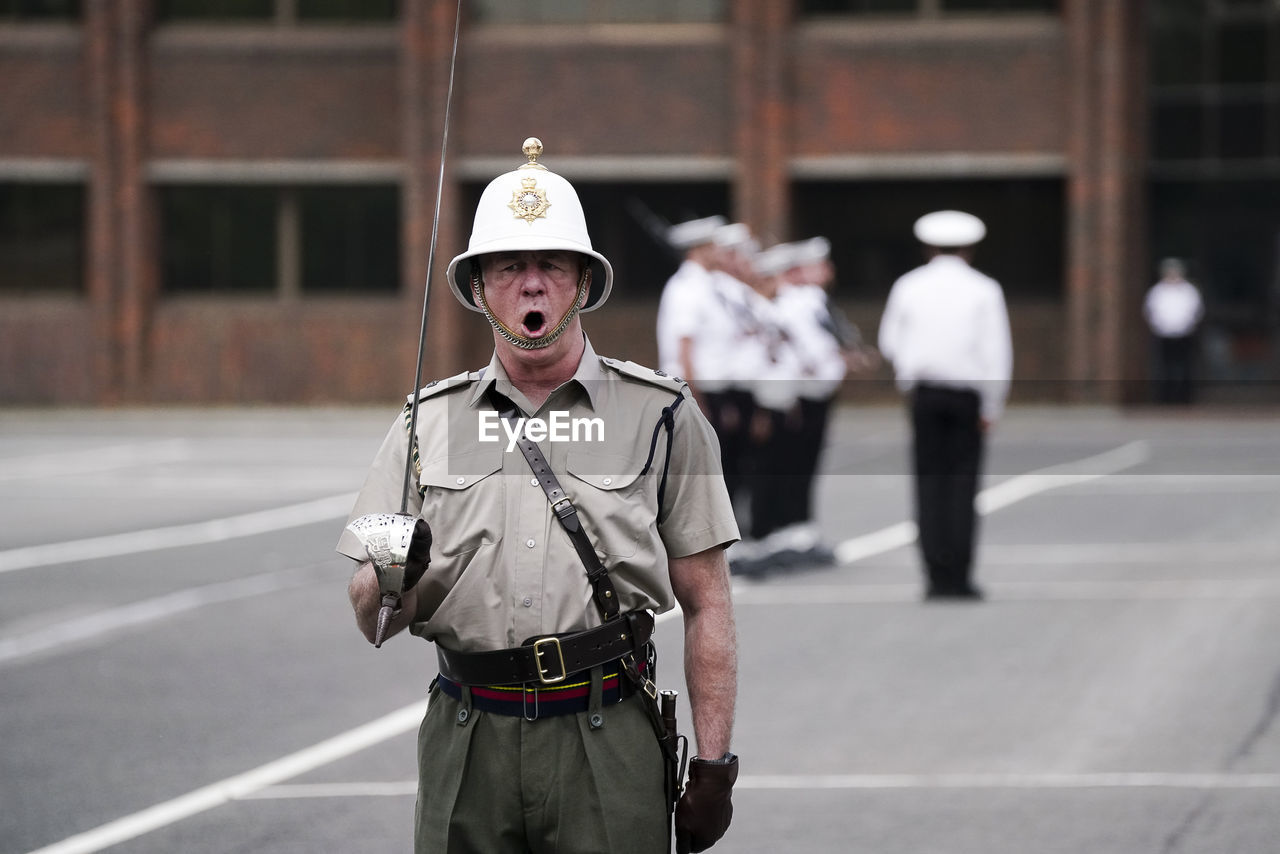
(946,331)
(1173,311)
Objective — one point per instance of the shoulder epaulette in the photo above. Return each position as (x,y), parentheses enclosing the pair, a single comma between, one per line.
(644,374)
(435,387)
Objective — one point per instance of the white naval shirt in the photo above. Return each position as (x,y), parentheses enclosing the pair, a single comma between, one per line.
(769,360)
(679,309)
(821,363)
(712,309)
(1173,308)
(946,324)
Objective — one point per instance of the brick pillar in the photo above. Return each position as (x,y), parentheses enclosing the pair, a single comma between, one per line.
(134,208)
(1134,350)
(1105,195)
(426,47)
(1082,208)
(101,255)
(122,264)
(759,38)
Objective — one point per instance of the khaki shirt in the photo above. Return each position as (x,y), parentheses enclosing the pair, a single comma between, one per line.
(502,569)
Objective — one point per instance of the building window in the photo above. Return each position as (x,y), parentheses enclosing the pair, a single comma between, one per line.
(185,10)
(346,10)
(41,238)
(38,10)
(925,8)
(350,238)
(280,241)
(872,242)
(218,239)
(1215,87)
(597,11)
(280,11)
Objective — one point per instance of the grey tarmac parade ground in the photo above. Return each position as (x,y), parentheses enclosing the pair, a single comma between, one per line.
(180,672)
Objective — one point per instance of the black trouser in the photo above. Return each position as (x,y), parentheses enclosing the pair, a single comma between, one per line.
(947,456)
(769,475)
(729,413)
(805,430)
(1174,383)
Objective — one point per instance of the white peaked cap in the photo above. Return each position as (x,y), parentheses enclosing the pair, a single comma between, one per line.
(811,251)
(530,208)
(695,232)
(949,229)
(776,259)
(733,236)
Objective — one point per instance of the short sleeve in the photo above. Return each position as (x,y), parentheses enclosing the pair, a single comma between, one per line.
(696,513)
(381,492)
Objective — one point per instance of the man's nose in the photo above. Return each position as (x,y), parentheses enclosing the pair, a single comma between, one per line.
(532,281)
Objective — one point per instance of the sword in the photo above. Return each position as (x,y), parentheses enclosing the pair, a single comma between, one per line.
(396,568)
(431,259)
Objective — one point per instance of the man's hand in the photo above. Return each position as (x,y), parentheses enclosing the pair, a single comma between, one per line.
(419,557)
(366,602)
(705,810)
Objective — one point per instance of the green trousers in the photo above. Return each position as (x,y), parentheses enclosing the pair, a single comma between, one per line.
(497,784)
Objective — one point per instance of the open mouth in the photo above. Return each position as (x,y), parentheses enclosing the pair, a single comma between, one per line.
(535,324)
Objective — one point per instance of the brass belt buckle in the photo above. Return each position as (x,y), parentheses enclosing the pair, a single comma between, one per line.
(539,652)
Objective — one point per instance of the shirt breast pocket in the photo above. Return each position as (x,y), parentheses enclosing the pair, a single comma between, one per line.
(612,500)
(464,502)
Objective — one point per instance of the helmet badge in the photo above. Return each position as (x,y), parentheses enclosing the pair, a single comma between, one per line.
(529,203)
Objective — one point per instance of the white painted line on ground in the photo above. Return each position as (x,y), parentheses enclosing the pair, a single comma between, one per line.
(93,460)
(1024,486)
(177,536)
(1002,495)
(242,785)
(396,788)
(1184,484)
(1141,779)
(811,782)
(1183,553)
(1210,589)
(875,543)
(135,614)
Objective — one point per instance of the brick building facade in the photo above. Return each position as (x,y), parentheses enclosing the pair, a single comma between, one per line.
(228,187)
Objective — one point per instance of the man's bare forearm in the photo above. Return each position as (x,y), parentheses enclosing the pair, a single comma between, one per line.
(366,601)
(710,642)
(711,672)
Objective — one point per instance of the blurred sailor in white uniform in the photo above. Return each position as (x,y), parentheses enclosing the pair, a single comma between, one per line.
(1173,311)
(827,346)
(777,371)
(687,299)
(945,328)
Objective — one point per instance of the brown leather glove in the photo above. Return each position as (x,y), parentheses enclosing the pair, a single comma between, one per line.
(705,808)
(419,558)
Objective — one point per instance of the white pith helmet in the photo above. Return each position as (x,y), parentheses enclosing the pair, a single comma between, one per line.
(527,209)
(949,229)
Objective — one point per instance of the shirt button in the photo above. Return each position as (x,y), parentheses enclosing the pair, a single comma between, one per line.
(530,543)
(533,481)
(461,481)
(528,602)
(607,481)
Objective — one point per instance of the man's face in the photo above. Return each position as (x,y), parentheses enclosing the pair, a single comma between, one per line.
(529,292)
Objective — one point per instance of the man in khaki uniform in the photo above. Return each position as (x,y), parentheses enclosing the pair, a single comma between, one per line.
(540,732)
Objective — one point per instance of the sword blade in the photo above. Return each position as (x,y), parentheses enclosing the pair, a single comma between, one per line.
(431,261)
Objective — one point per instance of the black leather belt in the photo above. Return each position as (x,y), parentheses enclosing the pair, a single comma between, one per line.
(551,658)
